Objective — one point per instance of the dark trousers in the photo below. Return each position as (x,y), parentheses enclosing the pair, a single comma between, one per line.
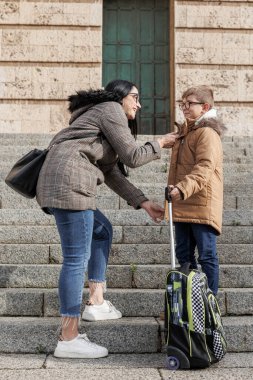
(192,235)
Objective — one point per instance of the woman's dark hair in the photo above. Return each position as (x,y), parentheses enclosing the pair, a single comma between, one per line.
(114,91)
(122,89)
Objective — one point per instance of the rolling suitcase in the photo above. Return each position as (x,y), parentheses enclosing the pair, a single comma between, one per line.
(193,327)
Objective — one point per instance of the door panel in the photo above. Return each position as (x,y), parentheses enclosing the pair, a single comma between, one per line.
(136,48)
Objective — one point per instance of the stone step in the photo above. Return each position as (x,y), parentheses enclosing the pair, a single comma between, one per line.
(234,152)
(160,234)
(14,152)
(237,158)
(115,366)
(121,234)
(44,302)
(238,217)
(37,335)
(230,151)
(109,201)
(118,276)
(245,163)
(120,254)
(150,176)
(244,194)
(9,159)
(126,335)
(236,188)
(117,217)
(43,139)
(162,166)
(230,202)
(234,156)
(160,254)
(230,157)
(36,138)
(150,366)
(131,302)
(26,139)
(30,138)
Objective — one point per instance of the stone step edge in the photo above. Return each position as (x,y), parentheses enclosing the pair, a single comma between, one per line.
(248,318)
(118,217)
(137,362)
(238,331)
(149,184)
(43,302)
(121,265)
(29,138)
(125,244)
(33,335)
(115,290)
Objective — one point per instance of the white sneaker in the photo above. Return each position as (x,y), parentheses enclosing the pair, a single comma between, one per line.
(101,312)
(80,347)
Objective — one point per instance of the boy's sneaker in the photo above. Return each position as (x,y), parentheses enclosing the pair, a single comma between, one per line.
(80,347)
(101,312)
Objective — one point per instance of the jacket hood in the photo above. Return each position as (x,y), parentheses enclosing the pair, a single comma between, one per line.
(83,100)
(212,113)
(211,122)
(209,119)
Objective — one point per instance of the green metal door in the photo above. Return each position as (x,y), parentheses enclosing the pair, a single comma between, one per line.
(136,48)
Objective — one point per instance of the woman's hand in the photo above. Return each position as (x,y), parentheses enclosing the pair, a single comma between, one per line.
(167,141)
(155,211)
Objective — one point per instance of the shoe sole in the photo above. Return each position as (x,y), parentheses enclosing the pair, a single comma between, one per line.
(75,355)
(92,318)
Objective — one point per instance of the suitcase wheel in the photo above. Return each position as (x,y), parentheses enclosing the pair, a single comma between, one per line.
(172,363)
(176,358)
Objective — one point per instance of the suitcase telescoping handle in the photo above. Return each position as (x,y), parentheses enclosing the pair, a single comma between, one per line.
(172,244)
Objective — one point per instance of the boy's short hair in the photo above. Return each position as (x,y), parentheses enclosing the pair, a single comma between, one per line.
(202,94)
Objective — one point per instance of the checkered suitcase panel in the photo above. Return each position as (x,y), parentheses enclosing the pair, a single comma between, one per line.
(198,310)
(219,343)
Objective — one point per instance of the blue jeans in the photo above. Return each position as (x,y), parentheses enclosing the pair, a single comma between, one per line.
(86,238)
(190,235)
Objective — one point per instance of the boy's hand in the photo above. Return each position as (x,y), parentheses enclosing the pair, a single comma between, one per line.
(155,211)
(175,193)
(167,141)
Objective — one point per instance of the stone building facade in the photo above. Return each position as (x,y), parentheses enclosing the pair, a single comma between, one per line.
(50,48)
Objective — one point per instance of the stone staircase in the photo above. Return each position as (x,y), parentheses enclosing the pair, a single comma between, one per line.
(30,259)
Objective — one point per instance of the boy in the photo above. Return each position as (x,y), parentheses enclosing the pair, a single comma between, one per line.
(196,183)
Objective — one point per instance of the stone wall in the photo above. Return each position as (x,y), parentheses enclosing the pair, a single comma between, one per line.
(214,46)
(50,48)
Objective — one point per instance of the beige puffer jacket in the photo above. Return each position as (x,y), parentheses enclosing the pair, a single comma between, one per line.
(196,169)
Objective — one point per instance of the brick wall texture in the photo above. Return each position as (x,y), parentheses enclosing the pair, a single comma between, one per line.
(214,46)
(51,48)
(48,50)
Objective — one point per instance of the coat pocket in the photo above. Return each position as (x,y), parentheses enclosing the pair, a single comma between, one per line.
(198,199)
(88,186)
(85,181)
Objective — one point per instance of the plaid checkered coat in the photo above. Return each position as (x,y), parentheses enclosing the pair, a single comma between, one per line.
(85,155)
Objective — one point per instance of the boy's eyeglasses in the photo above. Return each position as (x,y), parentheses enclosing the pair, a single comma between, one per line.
(135,96)
(187,105)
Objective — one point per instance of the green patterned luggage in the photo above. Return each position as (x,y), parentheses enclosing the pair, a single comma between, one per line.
(193,327)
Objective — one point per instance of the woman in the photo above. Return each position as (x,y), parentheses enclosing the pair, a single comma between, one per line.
(81,157)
